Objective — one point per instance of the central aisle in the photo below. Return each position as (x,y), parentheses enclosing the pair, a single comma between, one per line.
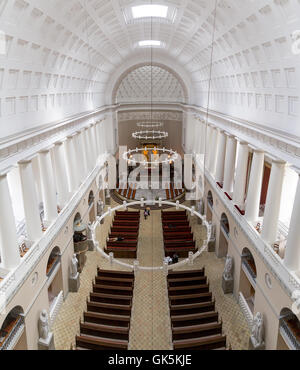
(150,323)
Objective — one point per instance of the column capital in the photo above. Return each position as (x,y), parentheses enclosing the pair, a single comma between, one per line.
(44,151)
(5,171)
(25,161)
(241,141)
(230,136)
(255,149)
(58,143)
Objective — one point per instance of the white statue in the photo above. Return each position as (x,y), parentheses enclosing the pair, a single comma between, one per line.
(228,268)
(44,325)
(257,332)
(296,42)
(74,266)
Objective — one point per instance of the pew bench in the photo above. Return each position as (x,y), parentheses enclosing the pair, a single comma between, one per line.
(205,343)
(92,343)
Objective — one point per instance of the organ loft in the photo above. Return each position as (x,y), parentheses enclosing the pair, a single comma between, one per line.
(149,175)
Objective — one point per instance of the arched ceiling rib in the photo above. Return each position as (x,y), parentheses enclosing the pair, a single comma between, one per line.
(61,56)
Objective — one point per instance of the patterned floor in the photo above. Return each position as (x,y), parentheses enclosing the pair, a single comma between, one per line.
(150,324)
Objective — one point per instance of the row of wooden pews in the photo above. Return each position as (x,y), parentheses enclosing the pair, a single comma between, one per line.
(177,233)
(106,323)
(194,319)
(126,226)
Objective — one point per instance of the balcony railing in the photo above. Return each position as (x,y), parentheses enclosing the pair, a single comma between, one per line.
(14,335)
(55,307)
(290,338)
(246,310)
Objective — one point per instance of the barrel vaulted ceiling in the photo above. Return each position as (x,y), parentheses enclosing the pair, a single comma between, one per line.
(61,57)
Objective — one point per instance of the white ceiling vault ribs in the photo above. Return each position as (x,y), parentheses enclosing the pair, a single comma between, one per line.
(136,86)
(62,56)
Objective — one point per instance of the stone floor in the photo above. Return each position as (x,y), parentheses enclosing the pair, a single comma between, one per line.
(150,323)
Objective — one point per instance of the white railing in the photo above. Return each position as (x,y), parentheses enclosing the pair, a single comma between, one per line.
(14,335)
(142,203)
(287,279)
(246,310)
(15,278)
(288,335)
(55,307)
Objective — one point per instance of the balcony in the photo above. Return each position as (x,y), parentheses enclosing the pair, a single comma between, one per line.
(290,331)
(55,307)
(11,334)
(249,269)
(53,263)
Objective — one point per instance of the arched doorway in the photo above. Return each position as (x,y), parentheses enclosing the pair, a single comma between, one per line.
(248,275)
(55,281)
(91,203)
(210,206)
(224,236)
(12,332)
(289,331)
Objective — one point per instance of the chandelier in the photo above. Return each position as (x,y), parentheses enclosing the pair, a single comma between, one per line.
(150,125)
(169,158)
(150,135)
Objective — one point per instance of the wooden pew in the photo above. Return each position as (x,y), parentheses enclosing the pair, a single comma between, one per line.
(185,273)
(114,281)
(93,343)
(205,343)
(173,212)
(128,213)
(197,331)
(122,223)
(106,331)
(112,289)
(186,281)
(192,308)
(190,298)
(120,252)
(124,243)
(106,319)
(167,228)
(125,235)
(109,309)
(115,273)
(126,217)
(179,243)
(178,236)
(111,299)
(120,229)
(194,319)
(191,289)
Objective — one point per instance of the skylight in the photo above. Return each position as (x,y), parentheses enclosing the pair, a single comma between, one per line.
(150,43)
(143,11)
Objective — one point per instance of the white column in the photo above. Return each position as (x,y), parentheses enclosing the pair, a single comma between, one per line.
(213,152)
(97,138)
(221,157)
(30,201)
(83,151)
(255,183)
(208,144)
(229,164)
(241,175)
(71,165)
(48,186)
(292,250)
(78,157)
(10,255)
(271,215)
(92,143)
(60,172)
(90,149)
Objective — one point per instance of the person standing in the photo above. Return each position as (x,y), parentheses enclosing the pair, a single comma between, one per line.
(145,214)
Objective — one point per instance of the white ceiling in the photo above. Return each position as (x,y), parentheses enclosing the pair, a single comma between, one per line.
(61,56)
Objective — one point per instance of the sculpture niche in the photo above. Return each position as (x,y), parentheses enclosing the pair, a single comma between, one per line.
(227,278)
(46,341)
